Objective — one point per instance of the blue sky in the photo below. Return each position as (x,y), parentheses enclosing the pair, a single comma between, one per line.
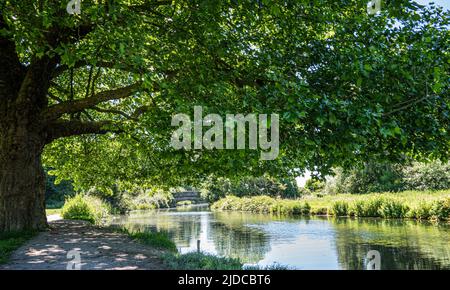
(443,3)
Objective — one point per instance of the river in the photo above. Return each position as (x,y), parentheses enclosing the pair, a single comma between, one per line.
(300,243)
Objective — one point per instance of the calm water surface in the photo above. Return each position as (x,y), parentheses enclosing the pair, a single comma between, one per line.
(300,243)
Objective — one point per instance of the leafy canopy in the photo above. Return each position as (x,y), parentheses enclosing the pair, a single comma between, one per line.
(348,86)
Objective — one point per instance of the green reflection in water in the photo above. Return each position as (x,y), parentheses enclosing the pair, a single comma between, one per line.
(311,243)
(402,244)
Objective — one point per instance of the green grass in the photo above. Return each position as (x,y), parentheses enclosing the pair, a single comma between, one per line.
(10,241)
(200,261)
(50,211)
(433,205)
(159,240)
(263,204)
(173,260)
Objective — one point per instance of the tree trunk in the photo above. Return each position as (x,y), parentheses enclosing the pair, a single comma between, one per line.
(22,179)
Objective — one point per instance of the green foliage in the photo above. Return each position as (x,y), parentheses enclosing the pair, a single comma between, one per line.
(440,209)
(10,241)
(214,189)
(152,199)
(88,208)
(340,99)
(339,208)
(409,204)
(56,191)
(262,204)
(158,240)
(373,177)
(314,184)
(201,261)
(421,212)
(391,208)
(427,176)
(382,177)
(366,208)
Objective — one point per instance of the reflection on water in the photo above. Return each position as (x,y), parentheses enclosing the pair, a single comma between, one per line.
(307,243)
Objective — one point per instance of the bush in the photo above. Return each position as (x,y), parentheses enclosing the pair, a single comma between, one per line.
(339,208)
(440,209)
(314,185)
(386,177)
(393,209)
(366,208)
(427,176)
(214,189)
(88,208)
(200,261)
(372,177)
(262,204)
(290,207)
(421,212)
(152,199)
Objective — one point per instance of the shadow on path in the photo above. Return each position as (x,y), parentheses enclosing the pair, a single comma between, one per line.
(99,248)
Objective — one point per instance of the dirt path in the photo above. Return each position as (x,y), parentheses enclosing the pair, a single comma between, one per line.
(98,248)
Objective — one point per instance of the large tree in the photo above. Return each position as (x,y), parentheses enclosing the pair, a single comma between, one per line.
(95,91)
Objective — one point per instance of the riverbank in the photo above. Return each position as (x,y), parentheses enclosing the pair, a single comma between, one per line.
(101,248)
(421,205)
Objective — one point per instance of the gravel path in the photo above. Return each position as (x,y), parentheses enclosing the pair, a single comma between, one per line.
(98,248)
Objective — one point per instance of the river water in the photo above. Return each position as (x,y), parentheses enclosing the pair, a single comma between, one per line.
(300,243)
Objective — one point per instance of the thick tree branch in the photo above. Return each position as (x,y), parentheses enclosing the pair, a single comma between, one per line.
(56,111)
(12,71)
(61,129)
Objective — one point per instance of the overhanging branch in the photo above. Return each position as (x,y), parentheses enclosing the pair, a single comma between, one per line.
(60,129)
(56,111)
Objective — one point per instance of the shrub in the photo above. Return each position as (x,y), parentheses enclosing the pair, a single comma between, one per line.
(339,208)
(88,208)
(290,207)
(440,209)
(372,177)
(314,185)
(260,204)
(227,203)
(200,261)
(393,209)
(215,189)
(427,176)
(421,212)
(151,199)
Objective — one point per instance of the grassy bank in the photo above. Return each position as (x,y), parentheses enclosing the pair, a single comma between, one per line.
(176,261)
(10,241)
(189,261)
(423,205)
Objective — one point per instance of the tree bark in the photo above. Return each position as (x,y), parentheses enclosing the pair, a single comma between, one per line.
(22,179)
